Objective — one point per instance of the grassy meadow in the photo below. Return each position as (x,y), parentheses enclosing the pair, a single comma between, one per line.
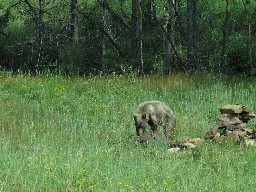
(75,134)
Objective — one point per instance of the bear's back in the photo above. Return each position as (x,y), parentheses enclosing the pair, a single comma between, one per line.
(154,107)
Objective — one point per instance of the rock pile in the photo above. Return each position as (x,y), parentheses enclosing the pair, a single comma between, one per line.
(184,142)
(231,125)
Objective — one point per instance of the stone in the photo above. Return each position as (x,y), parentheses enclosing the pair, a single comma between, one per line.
(234,127)
(183,139)
(248,130)
(231,127)
(245,116)
(189,145)
(230,109)
(219,139)
(173,150)
(196,140)
(179,141)
(233,138)
(240,126)
(246,109)
(240,133)
(249,142)
(228,132)
(229,138)
(235,121)
(227,119)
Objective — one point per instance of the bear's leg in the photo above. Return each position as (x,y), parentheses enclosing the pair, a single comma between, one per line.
(154,131)
(140,131)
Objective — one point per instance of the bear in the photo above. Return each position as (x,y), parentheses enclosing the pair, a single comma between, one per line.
(154,113)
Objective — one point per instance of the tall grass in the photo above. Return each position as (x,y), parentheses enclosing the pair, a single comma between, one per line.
(74,134)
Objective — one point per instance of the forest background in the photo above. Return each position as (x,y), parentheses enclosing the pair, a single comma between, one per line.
(142,36)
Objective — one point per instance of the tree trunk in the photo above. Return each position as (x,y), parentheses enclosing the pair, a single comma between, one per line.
(136,30)
(168,36)
(249,45)
(249,38)
(104,39)
(179,27)
(40,33)
(192,35)
(224,37)
(151,15)
(74,20)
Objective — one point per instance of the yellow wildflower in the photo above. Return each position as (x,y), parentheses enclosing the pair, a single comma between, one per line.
(46,153)
(93,185)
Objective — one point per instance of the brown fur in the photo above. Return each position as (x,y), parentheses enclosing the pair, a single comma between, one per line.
(154,113)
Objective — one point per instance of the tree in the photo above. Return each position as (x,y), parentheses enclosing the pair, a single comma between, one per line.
(150,13)
(37,15)
(249,33)
(136,31)
(74,20)
(224,36)
(192,6)
(168,36)
(104,39)
(4,19)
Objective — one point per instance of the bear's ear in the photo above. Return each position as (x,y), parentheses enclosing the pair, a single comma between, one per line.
(144,116)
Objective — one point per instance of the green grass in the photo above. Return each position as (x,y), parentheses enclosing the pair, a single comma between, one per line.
(74,134)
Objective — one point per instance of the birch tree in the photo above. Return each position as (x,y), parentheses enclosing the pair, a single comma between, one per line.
(136,31)
(74,20)
(192,7)
(168,36)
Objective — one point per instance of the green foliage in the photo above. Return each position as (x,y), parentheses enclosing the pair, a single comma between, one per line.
(4,19)
(238,55)
(158,65)
(30,39)
(74,61)
(74,134)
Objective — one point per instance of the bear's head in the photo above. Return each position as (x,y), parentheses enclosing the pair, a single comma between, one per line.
(140,122)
